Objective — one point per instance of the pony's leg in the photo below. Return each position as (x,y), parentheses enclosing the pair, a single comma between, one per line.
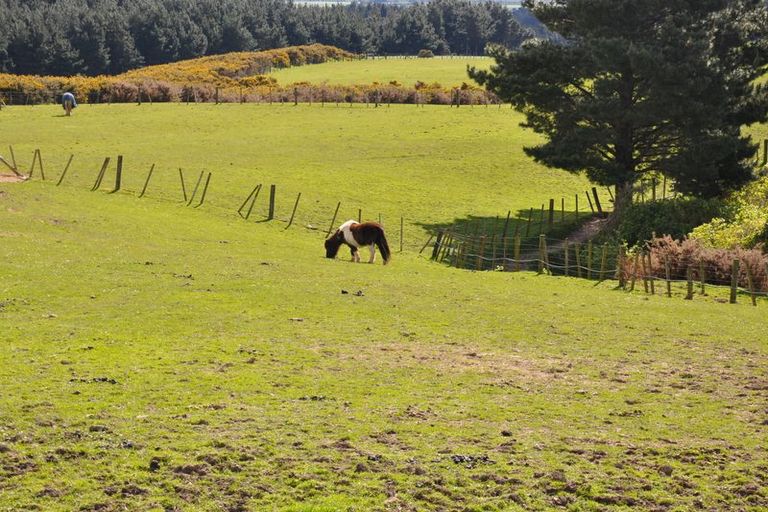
(353,252)
(372,247)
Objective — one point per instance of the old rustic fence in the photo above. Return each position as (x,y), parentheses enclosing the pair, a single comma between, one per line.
(681,275)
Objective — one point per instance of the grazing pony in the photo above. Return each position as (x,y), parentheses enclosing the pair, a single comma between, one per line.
(68,102)
(357,235)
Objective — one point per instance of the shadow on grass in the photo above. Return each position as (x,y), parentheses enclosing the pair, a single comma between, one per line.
(530,223)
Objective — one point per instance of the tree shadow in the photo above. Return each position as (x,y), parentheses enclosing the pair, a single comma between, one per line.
(525,223)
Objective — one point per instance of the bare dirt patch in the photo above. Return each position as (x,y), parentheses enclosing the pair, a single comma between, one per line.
(12,178)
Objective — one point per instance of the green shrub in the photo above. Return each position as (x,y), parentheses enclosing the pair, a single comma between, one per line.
(745,220)
(673,217)
(425,54)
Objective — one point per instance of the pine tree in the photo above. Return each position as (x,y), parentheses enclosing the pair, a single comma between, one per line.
(639,87)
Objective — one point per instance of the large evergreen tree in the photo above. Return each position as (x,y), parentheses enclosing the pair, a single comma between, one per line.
(641,86)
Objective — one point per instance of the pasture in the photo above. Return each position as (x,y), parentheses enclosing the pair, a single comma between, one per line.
(428,164)
(157,357)
(447,71)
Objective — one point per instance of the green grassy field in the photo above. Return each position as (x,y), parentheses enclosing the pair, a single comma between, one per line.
(158,357)
(429,164)
(445,71)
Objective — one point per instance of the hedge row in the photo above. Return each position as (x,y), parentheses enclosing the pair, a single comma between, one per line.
(35,90)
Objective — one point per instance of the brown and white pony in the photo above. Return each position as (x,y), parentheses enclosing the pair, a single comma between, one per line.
(357,235)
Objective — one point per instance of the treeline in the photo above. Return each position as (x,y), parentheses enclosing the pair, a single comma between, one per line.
(92,37)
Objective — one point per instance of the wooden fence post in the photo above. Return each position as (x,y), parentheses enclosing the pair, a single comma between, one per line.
(359,215)
(100,176)
(197,185)
(466,246)
(460,249)
(589,199)
(589,259)
(13,159)
(651,277)
(183,186)
(517,252)
(734,280)
(253,202)
(577,250)
(240,210)
(566,269)
(506,225)
(333,220)
(551,212)
(427,243)
(667,275)
(562,209)
(272,190)
(66,168)
(603,263)
(634,273)
(401,233)
(645,274)
(689,277)
(528,226)
(118,174)
(35,158)
(620,268)
(205,191)
(447,246)
(481,254)
(293,214)
(438,242)
(146,183)
(751,284)
(702,276)
(597,202)
(541,253)
(541,220)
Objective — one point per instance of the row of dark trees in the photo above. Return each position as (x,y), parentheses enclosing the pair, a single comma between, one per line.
(65,37)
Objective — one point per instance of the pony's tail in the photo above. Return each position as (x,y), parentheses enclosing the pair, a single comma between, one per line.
(381,243)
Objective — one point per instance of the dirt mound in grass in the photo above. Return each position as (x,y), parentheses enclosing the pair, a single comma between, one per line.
(12,178)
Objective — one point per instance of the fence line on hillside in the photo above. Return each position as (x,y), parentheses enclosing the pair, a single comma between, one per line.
(547,255)
(192,192)
(601,262)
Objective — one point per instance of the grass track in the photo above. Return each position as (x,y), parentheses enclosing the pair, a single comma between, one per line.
(445,71)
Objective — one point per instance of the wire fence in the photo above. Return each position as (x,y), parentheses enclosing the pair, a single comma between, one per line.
(222,193)
(152,91)
(656,268)
(741,272)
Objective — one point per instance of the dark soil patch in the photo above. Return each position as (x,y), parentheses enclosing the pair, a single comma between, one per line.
(192,469)
(471,461)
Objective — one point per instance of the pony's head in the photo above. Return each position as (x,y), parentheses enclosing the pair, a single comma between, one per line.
(333,243)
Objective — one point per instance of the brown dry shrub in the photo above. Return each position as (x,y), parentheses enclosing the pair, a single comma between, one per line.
(690,253)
